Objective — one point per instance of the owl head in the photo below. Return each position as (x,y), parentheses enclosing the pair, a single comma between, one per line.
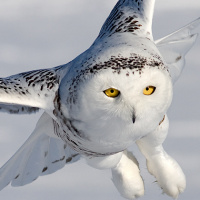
(117,93)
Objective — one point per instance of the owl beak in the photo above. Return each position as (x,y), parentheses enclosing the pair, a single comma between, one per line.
(133,118)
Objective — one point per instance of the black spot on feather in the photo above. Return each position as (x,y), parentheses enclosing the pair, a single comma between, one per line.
(44,169)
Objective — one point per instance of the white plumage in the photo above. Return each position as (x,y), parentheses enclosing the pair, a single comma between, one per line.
(100,103)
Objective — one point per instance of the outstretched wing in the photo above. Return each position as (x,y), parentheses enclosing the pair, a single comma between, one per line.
(40,155)
(174,47)
(29,91)
(134,16)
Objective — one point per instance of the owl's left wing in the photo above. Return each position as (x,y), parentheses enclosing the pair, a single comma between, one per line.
(175,46)
(43,153)
(29,91)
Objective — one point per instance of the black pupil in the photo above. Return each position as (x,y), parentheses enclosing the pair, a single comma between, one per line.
(112,91)
(147,88)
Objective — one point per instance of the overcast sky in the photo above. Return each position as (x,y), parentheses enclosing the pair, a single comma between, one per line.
(38,34)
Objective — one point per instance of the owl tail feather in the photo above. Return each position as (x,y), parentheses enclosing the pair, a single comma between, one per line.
(40,155)
(175,46)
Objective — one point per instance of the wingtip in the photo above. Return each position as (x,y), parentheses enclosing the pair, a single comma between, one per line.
(182,33)
(194,24)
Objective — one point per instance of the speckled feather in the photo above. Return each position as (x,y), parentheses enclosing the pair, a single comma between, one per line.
(25,92)
(79,120)
(129,16)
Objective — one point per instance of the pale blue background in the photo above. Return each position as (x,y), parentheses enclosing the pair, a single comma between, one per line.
(40,34)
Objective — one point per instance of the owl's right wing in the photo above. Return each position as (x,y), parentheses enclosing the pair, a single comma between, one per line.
(30,91)
(175,46)
(43,153)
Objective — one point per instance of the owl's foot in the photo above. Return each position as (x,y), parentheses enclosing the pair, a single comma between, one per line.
(165,169)
(126,177)
(168,174)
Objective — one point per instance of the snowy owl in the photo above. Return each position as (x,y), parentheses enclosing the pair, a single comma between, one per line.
(114,94)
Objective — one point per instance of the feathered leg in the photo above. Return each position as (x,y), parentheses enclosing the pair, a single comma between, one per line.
(126,177)
(125,172)
(165,169)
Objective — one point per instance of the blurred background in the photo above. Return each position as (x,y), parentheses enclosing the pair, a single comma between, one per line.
(38,34)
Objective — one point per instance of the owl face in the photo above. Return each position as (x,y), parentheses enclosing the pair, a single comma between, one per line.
(116,106)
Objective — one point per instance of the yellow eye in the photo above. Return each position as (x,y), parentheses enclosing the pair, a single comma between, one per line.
(111,92)
(149,90)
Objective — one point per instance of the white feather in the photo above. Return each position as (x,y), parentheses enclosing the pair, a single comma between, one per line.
(175,46)
(40,155)
(126,177)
